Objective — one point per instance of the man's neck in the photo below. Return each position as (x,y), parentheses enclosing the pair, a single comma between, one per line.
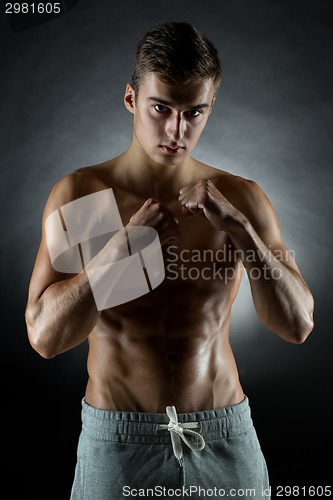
(148,177)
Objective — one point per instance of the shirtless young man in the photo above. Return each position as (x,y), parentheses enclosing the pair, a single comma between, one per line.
(170,347)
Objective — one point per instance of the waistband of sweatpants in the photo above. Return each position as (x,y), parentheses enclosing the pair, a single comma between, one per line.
(142,427)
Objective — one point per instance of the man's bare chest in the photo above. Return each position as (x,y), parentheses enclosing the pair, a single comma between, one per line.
(201,255)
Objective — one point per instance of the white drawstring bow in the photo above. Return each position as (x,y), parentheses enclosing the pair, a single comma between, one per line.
(178,430)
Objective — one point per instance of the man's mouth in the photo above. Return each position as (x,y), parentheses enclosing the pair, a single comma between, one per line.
(171,150)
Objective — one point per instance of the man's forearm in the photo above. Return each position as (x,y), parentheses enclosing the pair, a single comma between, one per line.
(64,316)
(281,298)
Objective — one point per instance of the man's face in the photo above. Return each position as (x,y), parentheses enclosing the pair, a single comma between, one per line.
(169,119)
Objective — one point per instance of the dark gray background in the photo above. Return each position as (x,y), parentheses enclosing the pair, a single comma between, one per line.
(62,87)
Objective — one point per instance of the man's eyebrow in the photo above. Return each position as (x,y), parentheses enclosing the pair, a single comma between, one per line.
(168,103)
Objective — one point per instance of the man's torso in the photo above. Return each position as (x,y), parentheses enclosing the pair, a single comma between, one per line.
(170,346)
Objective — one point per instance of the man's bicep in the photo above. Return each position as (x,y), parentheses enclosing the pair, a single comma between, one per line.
(53,241)
(264,220)
(43,275)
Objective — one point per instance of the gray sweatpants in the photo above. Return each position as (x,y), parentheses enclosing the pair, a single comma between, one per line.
(212,454)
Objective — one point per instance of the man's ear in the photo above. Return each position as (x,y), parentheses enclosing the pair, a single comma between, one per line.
(212,104)
(129,98)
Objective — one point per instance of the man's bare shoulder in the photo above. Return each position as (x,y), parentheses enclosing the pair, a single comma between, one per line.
(245,194)
(82,182)
(227,182)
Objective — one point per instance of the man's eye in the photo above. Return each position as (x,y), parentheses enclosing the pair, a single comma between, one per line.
(194,112)
(160,108)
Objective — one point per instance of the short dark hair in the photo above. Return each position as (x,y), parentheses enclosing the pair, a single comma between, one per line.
(178,53)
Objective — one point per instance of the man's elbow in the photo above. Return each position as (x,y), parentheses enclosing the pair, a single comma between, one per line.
(302,329)
(36,335)
(38,343)
(41,347)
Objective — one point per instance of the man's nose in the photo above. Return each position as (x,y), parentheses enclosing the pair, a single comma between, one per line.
(175,127)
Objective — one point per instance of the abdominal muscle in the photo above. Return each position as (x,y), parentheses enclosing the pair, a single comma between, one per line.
(143,366)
